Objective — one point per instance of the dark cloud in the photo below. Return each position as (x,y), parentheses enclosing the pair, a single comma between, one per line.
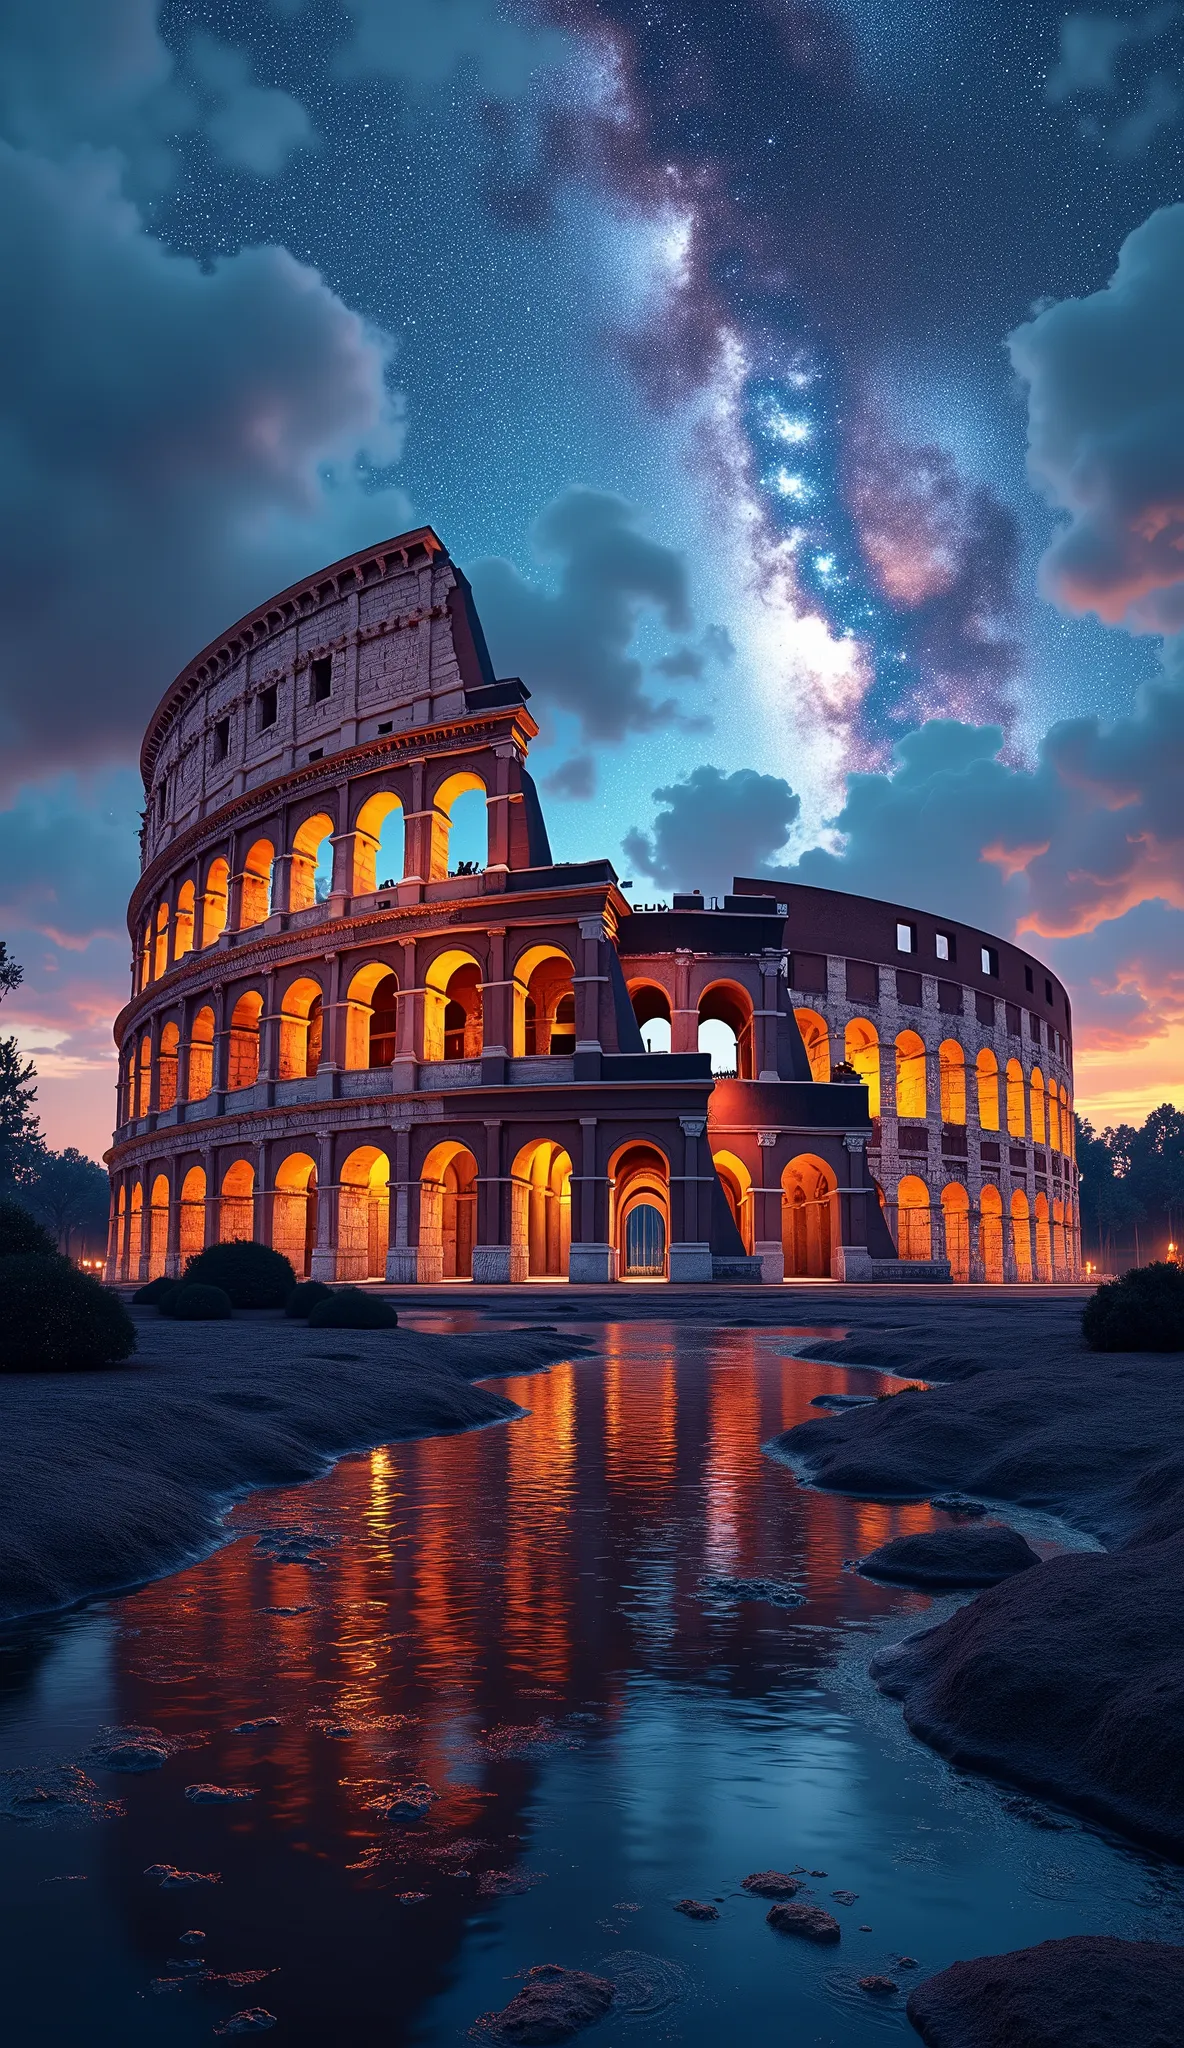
(69,859)
(713,826)
(180,440)
(1106,433)
(423,47)
(574,778)
(574,645)
(1091,45)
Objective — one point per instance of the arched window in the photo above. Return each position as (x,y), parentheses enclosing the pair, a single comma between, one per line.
(460,827)
(294,1210)
(951,1064)
(1054,1116)
(242,1065)
(808,1202)
(135,1233)
(372,1016)
(256,884)
(183,923)
(651,1007)
(201,1055)
(736,1182)
(1016,1124)
(237,1208)
(300,1030)
(913,1234)
(986,1070)
(1068,1125)
(453,1008)
(955,1203)
(910,1075)
(161,956)
(144,1076)
(725,1029)
(146,956)
(990,1232)
(121,1236)
(158,1226)
(639,1185)
(447,1213)
(1036,1098)
(193,1214)
(549,1012)
(1043,1239)
(816,1039)
(170,1039)
(312,862)
(379,844)
(363,1215)
(214,901)
(861,1049)
(541,1209)
(1021,1236)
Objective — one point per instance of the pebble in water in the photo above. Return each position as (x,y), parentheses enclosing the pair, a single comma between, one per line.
(809,1921)
(697,1909)
(129,1756)
(772,1884)
(253,1727)
(552,2005)
(219,1795)
(845,1898)
(878,1987)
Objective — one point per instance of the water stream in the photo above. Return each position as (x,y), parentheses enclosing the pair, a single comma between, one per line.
(538,1623)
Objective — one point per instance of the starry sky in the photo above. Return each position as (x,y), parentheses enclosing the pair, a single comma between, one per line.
(799,385)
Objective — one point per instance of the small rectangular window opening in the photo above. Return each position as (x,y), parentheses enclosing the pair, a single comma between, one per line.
(990,960)
(1047,989)
(164,793)
(945,945)
(317,754)
(222,739)
(386,728)
(906,938)
(1029,984)
(320,679)
(268,707)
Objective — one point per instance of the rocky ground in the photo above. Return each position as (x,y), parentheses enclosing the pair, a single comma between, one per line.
(109,1478)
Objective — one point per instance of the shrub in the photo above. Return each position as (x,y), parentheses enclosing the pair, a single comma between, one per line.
(55,1319)
(306,1296)
(20,1232)
(349,1309)
(153,1292)
(251,1274)
(1143,1311)
(194,1302)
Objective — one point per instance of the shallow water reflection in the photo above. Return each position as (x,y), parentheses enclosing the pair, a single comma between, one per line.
(521,1707)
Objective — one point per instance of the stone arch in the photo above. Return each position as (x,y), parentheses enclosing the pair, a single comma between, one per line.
(1016,1121)
(951,1067)
(146,954)
(144,1075)
(540,1221)
(1054,1116)
(258,867)
(166,1088)
(447,1212)
(990,1234)
(1043,1239)
(193,1214)
(236,1209)
(308,843)
(1036,1103)
(914,1227)
(808,1204)
(135,1231)
(725,1028)
(639,1180)
(444,803)
(201,1054)
(861,1050)
(242,1057)
(158,1226)
(911,1080)
(294,1210)
(1021,1235)
(544,1003)
(1068,1124)
(121,1253)
(183,921)
(651,1007)
(371,1016)
(955,1206)
(160,955)
(736,1182)
(1060,1263)
(375,848)
(816,1039)
(363,1214)
(214,901)
(301,1029)
(453,1008)
(986,1075)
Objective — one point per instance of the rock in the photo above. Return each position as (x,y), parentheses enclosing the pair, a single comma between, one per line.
(254,2019)
(184,1963)
(809,1921)
(878,1987)
(951,1557)
(219,1795)
(697,1909)
(253,1727)
(957,1504)
(774,1592)
(772,1884)
(193,1936)
(845,1898)
(409,1804)
(173,1880)
(905,1962)
(841,1401)
(1085,1989)
(411,1898)
(552,2005)
(128,1756)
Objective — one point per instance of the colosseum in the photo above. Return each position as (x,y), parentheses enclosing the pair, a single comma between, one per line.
(394,1062)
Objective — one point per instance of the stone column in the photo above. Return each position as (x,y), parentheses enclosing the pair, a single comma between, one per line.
(684,1015)
(591,1258)
(407,1032)
(281,884)
(498,803)
(851,1259)
(497,994)
(269,1030)
(172,1254)
(401,1256)
(221,1045)
(766,1236)
(111,1269)
(690,1256)
(323,1264)
(333,1021)
(764,1023)
(496,1261)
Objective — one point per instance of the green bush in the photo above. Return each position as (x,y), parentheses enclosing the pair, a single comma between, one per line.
(349,1309)
(306,1296)
(20,1232)
(55,1319)
(251,1274)
(194,1302)
(153,1292)
(1143,1311)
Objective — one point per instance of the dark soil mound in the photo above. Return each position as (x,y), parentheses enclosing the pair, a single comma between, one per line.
(950,1557)
(1088,1991)
(1069,1680)
(553,2004)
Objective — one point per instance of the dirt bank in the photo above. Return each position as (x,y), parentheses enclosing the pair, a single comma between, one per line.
(111,1478)
(1087,1991)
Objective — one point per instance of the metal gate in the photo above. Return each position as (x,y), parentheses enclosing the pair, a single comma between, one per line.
(645,1241)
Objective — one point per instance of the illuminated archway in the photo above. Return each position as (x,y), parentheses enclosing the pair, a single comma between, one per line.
(193,1214)
(214,901)
(1036,1102)
(121,1244)
(363,1215)
(161,955)
(951,1066)
(242,1058)
(725,1029)
(816,1039)
(541,1208)
(453,1010)
(183,922)
(294,1210)
(447,1212)
(986,1074)
(170,1039)
(158,1226)
(651,1007)
(736,1182)
(256,885)
(1016,1121)
(312,849)
(990,1234)
(914,1234)
(469,852)
(135,1232)
(236,1210)
(808,1201)
(371,1017)
(639,1201)
(379,843)
(955,1204)
(144,1076)
(1043,1239)
(301,1029)
(1021,1235)
(543,997)
(1054,1116)
(1060,1264)
(201,1055)
(861,1050)
(911,1091)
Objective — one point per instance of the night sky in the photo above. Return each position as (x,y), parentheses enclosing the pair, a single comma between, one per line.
(802,388)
